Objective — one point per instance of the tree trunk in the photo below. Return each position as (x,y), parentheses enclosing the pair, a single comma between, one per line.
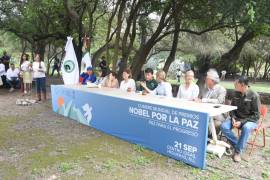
(128,45)
(205,64)
(39,48)
(233,54)
(243,70)
(140,58)
(257,66)
(98,53)
(24,45)
(144,50)
(176,9)
(110,21)
(171,56)
(266,68)
(118,33)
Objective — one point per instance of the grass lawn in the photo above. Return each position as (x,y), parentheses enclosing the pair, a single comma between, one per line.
(258,87)
(36,143)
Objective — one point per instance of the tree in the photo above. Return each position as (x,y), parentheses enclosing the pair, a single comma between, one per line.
(176,8)
(255,23)
(37,22)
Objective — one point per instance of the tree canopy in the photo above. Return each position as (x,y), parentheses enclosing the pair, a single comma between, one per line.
(135,29)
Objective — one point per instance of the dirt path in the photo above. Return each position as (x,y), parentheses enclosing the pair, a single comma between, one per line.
(35,143)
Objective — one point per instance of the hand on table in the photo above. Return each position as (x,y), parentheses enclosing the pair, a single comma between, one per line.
(143,84)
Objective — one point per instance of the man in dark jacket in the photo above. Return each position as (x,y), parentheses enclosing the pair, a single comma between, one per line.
(103,66)
(245,117)
(5,59)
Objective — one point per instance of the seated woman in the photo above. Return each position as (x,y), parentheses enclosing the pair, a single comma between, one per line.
(101,77)
(127,84)
(88,76)
(110,81)
(189,90)
(163,89)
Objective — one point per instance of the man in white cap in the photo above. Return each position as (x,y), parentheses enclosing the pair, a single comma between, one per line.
(214,93)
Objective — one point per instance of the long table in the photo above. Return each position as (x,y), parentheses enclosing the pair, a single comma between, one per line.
(169,126)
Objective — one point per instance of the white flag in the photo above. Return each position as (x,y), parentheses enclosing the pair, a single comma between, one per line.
(70,68)
(86,61)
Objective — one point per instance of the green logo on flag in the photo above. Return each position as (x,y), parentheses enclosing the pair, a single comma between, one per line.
(69,66)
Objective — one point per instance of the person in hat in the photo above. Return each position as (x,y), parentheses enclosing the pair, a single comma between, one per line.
(5,60)
(245,117)
(88,76)
(214,93)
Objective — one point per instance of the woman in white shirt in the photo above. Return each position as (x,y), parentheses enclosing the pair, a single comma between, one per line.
(164,88)
(127,84)
(40,77)
(26,74)
(189,90)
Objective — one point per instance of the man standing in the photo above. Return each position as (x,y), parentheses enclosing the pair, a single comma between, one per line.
(214,93)
(103,65)
(178,75)
(223,74)
(13,77)
(5,59)
(245,117)
(56,66)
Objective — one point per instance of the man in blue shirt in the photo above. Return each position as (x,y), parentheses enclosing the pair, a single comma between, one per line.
(89,76)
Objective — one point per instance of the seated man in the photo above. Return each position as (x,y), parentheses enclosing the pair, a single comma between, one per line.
(164,88)
(214,93)
(151,83)
(189,90)
(13,77)
(245,117)
(88,76)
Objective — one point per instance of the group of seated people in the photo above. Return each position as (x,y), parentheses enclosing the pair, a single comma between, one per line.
(10,78)
(245,117)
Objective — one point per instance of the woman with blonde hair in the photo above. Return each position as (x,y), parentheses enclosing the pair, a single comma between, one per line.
(164,88)
(189,90)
